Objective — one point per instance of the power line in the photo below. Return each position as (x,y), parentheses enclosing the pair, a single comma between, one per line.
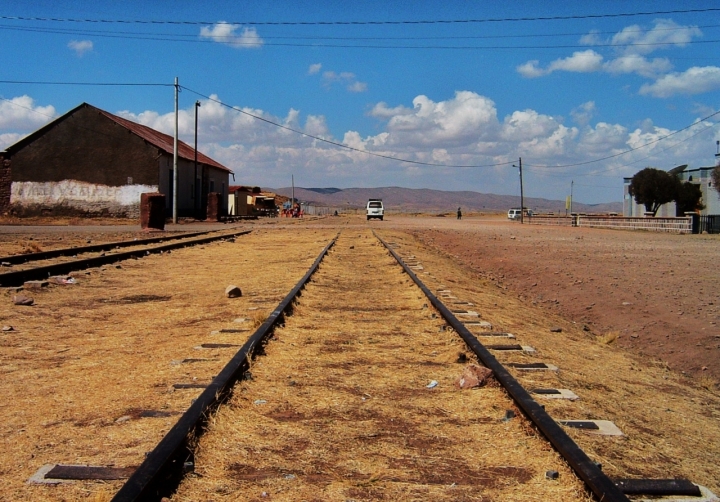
(238,43)
(362,23)
(335,143)
(181,36)
(128,84)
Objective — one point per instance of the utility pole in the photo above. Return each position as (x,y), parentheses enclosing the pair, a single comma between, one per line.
(572,182)
(175,156)
(522,198)
(292,202)
(198,191)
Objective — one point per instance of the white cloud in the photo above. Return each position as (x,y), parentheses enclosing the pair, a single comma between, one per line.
(346,78)
(22,114)
(695,80)
(357,87)
(463,129)
(580,62)
(81,46)
(638,64)
(665,34)
(583,113)
(631,46)
(225,33)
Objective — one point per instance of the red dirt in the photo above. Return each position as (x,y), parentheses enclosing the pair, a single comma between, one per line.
(660,292)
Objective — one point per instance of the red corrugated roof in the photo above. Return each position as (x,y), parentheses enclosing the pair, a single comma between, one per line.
(163,141)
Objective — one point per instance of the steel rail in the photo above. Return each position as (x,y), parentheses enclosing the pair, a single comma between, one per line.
(596,480)
(54,253)
(161,471)
(18,277)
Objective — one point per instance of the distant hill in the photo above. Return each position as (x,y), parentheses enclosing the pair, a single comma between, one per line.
(425,200)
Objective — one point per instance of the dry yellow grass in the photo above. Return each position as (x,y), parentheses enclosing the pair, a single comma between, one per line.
(85,362)
(670,424)
(339,408)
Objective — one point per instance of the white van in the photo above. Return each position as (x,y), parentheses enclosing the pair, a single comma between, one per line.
(375,209)
(514,213)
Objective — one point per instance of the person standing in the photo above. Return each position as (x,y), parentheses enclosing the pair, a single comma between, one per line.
(459,214)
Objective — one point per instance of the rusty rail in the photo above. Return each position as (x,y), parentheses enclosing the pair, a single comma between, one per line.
(18,277)
(596,480)
(161,472)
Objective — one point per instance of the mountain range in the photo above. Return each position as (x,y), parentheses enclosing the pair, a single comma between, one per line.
(409,200)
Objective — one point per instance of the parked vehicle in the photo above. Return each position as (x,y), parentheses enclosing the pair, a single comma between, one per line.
(514,213)
(375,209)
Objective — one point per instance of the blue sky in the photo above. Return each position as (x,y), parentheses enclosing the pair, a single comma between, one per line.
(462,100)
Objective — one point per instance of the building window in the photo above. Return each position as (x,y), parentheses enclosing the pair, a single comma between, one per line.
(212,185)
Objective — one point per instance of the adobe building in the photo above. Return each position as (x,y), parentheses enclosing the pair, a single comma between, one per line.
(91,162)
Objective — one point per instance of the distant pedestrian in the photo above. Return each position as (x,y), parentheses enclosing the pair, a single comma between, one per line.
(459,214)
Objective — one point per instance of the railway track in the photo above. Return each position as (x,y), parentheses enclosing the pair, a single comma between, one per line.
(348,391)
(357,398)
(41,265)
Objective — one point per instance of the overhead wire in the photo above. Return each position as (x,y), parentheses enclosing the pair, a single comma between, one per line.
(371,23)
(335,143)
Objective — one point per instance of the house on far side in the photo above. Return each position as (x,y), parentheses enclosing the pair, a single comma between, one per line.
(251,201)
(699,176)
(91,162)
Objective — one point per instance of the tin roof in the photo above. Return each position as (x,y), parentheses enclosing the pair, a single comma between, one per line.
(163,141)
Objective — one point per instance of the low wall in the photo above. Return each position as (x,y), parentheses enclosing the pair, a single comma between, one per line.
(679,225)
(70,196)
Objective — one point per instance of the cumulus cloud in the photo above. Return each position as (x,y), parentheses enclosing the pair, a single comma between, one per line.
(631,46)
(226,33)
(583,113)
(695,80)
(314,68)
(463,129)
(22,114)
(81,46)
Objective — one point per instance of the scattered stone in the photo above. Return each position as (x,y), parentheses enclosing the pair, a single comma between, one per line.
(8,328)
(352,247)
(35,284)
(556,330)
(625,304)
(585,327)
(123,419)
(509,415)
(260,401)
(462,358)
(432,384)
(474,376)
(634,336)
(61,279)
(552,474)
(704,368)
(22,300)
(233,291)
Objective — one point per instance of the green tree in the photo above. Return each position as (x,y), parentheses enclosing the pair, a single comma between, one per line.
(653,187)
(688,198)
(715,175)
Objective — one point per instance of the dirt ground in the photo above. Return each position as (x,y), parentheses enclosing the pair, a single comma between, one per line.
(659,292)
(637,310)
